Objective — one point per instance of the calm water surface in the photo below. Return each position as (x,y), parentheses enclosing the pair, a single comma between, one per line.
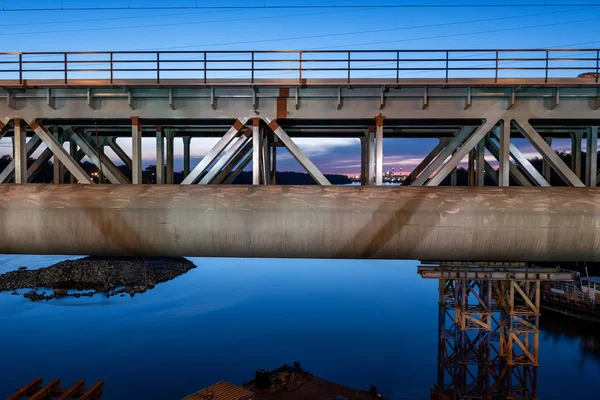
(359,323)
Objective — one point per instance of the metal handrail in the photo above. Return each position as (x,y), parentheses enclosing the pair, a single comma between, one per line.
(346,63)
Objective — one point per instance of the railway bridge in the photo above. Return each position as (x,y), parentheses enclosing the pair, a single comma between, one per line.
(68,106)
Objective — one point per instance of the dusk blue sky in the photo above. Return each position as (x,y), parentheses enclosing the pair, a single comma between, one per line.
(299,28)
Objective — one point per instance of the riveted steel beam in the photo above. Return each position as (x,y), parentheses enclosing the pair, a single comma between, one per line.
(60,153)
(214,152)
(546,151)
(468,145)
(442,156)
(297,153)
(9,171)
(100,160)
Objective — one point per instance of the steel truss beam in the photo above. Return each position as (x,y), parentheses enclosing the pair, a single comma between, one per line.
(442,156)
(226,158)
(246,151)
(99,159)
(525,164)
(37,165)
(546,151)
(118,150)
(297,153)
(60,153)
(513,170)
(9,171)
(214,152)
(426,161)
(468,145)
(239,168)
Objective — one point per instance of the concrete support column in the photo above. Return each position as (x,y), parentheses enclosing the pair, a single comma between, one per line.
(170,157)
(576,153)
(592,157)
(73,152)
(504,159)
(59,169)
(256,150)
(187,141)
(471,176)
(20,150)
(136,145)
(480,163)
(546,168)
(160,156)
(371,157)
(379,150)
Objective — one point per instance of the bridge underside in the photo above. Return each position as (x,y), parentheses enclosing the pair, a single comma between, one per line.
(252,121)
(470,121)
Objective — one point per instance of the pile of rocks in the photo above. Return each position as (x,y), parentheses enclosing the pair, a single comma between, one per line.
(109,276)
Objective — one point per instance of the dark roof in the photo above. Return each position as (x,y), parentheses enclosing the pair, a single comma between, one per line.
(221,391)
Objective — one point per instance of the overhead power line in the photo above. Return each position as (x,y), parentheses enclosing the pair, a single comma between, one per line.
(333,5)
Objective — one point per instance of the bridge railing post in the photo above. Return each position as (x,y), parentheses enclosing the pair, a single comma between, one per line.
(300,67)
(547,63)
(112,69)
(20,68)
(447,65)
(597,64)
(397,67)
(349,68)
(205,68)
(497,62)
(157,67)
(66,63)
(252,68)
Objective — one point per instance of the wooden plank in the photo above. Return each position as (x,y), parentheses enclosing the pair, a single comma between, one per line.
(34,384)
(94,392)
(44,393)
(70,392)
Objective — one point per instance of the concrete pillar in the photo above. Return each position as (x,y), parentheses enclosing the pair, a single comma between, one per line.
(472,167)
(160,156)
(73,151)
(504,172)
(592,157)
(59,170)
(170,157)
(136,145)
(187,141)
(20,150)
(379,153)
(256,150)
(546,167)
(576,153)
(480,163)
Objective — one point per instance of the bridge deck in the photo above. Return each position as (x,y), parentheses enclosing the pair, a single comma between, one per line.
(293,83)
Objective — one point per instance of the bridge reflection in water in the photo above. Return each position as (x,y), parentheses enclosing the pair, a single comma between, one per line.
(488,329)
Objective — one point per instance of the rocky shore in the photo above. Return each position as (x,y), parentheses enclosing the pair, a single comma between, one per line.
(109,276)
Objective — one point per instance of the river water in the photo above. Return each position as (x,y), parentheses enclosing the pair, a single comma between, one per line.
(358,323)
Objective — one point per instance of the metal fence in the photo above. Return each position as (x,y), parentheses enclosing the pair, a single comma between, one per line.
(492,65)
